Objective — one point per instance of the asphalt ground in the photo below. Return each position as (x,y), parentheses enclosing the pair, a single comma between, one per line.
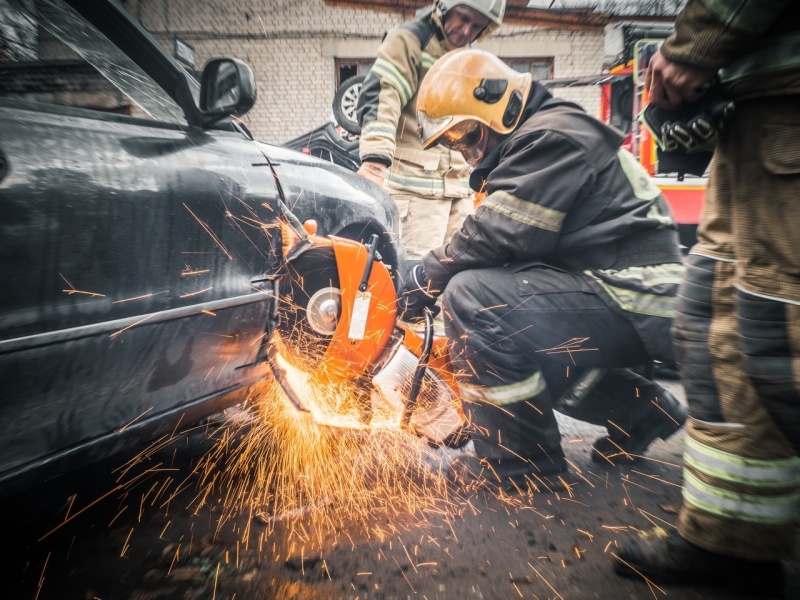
(151,528)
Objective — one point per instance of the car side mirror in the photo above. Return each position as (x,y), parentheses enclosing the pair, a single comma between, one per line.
(227,87)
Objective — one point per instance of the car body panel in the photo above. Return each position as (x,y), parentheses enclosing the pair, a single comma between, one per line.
(142,259)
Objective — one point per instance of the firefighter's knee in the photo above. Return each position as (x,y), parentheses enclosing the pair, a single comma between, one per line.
(765,334)
(690,334)
(461,299)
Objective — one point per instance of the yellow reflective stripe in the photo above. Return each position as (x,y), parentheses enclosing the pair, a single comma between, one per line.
(427,60)
(642,303)
(737,506)
(655,213)
(506,394)
(415,184)
(377,129)
(388,72)
(779,472)
(525,212)
(651,275)
(778,53)
(643,185)
(753,16)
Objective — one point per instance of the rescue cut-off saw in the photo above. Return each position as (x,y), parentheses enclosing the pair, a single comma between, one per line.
(340,315)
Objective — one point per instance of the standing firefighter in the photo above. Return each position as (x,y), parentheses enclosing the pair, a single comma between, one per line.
(561,283)
(738,324)
(430,188)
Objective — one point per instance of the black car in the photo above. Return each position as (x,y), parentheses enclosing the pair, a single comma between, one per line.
(140,239)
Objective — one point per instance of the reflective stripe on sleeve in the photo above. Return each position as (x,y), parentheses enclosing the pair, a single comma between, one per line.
(773,510)
(388,72)
(427,60)
(525,212)
(426,185)
(506,394)
(775,473)
(379,130)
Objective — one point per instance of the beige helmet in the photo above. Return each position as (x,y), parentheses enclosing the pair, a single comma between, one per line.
(467,87)
(491,9)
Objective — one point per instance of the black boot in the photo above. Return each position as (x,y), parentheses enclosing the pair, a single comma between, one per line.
(517,447)
(662,416)
(668,558)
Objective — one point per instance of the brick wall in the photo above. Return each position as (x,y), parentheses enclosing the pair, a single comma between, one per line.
(291,45)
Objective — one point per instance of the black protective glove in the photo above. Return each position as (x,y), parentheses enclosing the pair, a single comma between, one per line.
(692,128)
(415,296)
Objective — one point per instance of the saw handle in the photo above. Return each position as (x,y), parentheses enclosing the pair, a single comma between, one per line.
(422,365)
(373,246)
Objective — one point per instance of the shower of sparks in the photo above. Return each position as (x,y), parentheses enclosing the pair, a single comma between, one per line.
(346,471)
(326,465)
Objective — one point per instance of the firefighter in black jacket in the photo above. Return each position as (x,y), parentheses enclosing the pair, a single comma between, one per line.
(562,284)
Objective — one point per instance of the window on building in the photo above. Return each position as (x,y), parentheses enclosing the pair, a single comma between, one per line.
(350,67)
(539,68)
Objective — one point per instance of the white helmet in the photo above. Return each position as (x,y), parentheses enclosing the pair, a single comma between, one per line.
(491,9)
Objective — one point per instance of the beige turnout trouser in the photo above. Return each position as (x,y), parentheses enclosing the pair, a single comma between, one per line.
(742,474)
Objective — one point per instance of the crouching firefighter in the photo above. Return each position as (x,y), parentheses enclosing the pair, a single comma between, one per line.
(558,288)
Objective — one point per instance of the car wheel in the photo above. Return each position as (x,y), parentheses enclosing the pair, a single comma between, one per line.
(345,103)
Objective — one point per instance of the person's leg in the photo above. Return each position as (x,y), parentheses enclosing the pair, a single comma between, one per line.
(734,349)
(460,208)
(513,331)
(423,222)
(634,410)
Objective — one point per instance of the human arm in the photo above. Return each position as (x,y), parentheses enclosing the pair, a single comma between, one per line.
(536,182)
(708,37)
(388,87)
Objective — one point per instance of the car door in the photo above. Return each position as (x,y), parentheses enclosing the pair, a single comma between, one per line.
(138,251)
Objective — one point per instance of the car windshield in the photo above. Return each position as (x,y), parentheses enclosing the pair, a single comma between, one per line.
(20,21)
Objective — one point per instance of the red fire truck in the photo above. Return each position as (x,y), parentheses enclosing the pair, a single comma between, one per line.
(622,99)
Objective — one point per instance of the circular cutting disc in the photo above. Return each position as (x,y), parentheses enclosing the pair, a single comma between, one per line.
(310,304)
(323,310)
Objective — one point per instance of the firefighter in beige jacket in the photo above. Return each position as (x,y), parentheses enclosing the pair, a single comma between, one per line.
(430,187)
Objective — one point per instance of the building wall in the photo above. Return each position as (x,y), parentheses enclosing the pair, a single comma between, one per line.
(291,45)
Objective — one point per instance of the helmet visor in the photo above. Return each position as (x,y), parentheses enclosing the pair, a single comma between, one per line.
(430,128)
(469,138)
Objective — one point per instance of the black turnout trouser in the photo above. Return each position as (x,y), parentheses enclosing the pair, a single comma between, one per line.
(521,337)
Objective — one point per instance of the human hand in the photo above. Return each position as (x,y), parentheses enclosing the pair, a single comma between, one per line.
(374,171)
(415,296)
(694,127)
(672,84)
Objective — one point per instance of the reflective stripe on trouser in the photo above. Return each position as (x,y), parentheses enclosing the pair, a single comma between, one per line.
(521,335)
(740,473)
(427,223)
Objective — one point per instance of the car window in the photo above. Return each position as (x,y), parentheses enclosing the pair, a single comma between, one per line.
(52,54)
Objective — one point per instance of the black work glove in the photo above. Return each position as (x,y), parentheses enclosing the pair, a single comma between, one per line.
(415,296)
(691,128)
